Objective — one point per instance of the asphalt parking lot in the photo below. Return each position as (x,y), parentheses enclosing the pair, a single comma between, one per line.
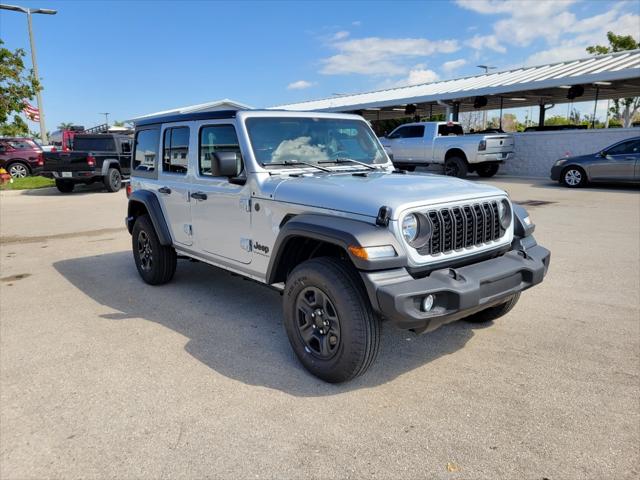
(103,376)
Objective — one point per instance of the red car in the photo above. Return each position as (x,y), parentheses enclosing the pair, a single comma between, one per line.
(20,157)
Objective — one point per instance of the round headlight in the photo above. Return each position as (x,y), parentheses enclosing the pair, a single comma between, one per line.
(410,227)
(504,213)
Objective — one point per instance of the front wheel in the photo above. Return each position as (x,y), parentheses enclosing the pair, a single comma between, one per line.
(156,263)
(493,313)
(329,321)
(487,170)
(573,177)
(455,167)
(113,180)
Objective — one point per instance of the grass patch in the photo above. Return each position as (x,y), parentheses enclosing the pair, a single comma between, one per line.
(28,183)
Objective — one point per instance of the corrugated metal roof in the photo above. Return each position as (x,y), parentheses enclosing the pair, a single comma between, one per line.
(602,68)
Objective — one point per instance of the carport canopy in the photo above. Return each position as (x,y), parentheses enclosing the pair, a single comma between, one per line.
(611,76)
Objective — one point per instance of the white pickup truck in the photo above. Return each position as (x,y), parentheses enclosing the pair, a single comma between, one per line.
(420,144)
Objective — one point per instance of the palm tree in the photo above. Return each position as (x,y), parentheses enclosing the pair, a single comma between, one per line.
(65,125)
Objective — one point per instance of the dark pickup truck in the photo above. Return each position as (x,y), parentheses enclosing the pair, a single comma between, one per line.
(105,158)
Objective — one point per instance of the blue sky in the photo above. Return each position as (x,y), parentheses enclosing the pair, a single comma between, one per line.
(136,57)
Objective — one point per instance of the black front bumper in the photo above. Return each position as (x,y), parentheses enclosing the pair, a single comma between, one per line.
(458,292)
(556,171)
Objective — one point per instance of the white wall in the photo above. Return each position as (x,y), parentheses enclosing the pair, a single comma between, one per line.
(536,152)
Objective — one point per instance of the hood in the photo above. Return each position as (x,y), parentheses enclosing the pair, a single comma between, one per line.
(364,195)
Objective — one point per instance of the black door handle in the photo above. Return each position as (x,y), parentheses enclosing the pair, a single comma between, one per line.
(165,190)
(199,195)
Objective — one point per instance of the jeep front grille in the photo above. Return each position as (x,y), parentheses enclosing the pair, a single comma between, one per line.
(462,226)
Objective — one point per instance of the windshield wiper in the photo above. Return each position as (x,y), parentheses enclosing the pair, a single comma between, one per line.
(350,160)
(296,162)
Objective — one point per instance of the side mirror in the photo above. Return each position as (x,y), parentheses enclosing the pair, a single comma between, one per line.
(225,164)
(603,154)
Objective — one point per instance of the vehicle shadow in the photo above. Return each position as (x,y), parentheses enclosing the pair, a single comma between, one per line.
(234,326)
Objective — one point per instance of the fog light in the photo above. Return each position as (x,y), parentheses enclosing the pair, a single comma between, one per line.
(427,303)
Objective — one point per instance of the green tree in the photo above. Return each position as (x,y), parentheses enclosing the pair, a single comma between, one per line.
(118,123)
(623,108)
(65,125)
(16,85)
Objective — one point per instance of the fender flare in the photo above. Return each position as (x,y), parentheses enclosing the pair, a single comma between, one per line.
(342,232)
(106,164)
(152,205)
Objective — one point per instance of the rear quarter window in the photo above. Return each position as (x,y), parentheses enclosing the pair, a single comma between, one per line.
(106,144)
(145,153)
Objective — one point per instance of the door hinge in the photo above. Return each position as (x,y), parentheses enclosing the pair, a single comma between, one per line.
(245,204)
(245,244)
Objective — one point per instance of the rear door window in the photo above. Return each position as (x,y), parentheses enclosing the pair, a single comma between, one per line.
(175,150)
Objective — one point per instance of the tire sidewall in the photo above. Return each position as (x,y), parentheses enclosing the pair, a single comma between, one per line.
(460,164)
(113,177)
(352,321)
(143,223)
(583,177)
(19,164)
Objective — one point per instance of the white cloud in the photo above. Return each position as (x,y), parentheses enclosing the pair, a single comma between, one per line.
(299,85)
(452,65)
(417,75)
(481,42)
(551,22)
(381,56)
(341,35)
(592,33)
(356,23)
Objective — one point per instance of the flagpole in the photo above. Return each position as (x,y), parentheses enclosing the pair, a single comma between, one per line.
(43,131)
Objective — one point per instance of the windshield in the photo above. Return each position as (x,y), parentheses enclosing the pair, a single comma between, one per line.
(280,140)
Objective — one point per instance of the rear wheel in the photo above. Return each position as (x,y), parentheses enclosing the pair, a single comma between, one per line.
(19,170)
(156,263)
(329,321)
(487,170)
(455,167)
(493,313)
(573,177)
(65,186)
(113,180)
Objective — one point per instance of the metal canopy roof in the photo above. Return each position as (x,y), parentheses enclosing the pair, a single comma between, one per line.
(526,86)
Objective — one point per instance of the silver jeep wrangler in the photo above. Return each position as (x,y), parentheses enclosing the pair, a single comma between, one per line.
(310,204)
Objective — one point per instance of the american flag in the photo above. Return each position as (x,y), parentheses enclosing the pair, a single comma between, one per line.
(31,112)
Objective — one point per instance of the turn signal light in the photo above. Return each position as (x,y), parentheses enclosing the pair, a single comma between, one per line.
(128,189)
(372,253)
(40,159)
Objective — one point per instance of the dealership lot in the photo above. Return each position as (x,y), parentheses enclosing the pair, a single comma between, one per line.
(105,376)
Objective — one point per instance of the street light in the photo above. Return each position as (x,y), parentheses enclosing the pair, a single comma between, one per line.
(29,11)
(484,112)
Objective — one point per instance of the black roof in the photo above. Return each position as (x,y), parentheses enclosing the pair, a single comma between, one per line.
(185,117)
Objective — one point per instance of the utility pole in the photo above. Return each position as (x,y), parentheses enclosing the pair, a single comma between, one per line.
(106,117)
(484,112)
(34,63)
